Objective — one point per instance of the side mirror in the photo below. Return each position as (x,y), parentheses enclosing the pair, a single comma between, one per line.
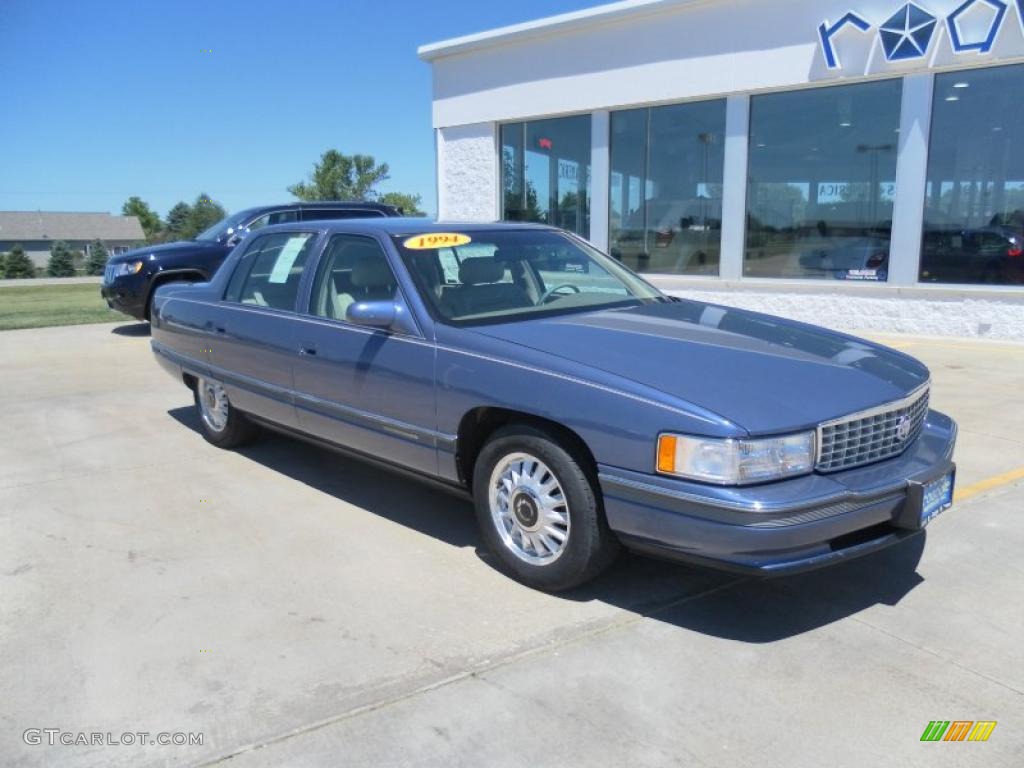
(236,237)
(374,314)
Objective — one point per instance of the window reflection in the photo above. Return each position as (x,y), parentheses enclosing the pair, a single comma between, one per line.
(546,172)
(974,212)
(666,187)
(823,182)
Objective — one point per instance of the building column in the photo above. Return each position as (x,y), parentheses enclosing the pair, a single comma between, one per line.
(911,179)
(600,179)
(468,173)
(438,171)
(734,188)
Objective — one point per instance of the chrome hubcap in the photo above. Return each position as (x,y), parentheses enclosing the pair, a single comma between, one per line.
(529,509)
(213,405)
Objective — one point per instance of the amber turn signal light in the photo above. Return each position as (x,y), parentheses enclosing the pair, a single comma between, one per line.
(667,453)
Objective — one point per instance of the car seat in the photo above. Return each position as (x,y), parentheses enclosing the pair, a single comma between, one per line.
(483,289)
(371,280)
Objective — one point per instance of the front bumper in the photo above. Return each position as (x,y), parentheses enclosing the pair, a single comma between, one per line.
(127,294)
(784,527)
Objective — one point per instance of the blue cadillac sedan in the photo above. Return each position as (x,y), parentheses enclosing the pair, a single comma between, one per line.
(582,409)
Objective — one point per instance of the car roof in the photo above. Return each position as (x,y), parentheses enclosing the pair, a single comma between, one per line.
(408,225)
(316,205)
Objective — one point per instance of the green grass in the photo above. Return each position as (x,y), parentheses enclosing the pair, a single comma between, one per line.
(40,306)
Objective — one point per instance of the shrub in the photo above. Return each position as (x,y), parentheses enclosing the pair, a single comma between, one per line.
(97,258)
(18,264)
(61,263)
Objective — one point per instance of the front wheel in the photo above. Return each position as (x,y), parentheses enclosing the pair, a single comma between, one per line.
(539,512)
(222,425)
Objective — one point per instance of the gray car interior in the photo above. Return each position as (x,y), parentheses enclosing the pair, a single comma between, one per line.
(356,270)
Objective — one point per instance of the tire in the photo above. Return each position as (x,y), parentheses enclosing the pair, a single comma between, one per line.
(222,425)
(548,538)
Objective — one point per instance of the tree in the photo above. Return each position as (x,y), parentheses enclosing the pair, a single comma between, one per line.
(178,222)
(516,208)
(408,204)
(342,177)
(204,214)
(18,265)
(150,221)
(60,264)
(97,258)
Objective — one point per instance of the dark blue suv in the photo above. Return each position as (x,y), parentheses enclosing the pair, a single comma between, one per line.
(130,278)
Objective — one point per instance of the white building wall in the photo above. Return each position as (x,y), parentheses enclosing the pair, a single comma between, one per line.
(467,173)
(932,312)
(687,49)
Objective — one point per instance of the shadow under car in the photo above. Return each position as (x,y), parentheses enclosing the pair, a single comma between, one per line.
(716,603)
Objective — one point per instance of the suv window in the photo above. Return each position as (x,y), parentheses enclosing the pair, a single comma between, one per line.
(270,270)
(326,214)
(353,268)
(274,217)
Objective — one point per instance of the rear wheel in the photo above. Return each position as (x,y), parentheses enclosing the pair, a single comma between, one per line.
(222,425)
(539,512)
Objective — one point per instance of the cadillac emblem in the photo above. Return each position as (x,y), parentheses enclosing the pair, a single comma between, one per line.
(903,429)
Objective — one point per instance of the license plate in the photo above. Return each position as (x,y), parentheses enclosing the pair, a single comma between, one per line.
(938,497)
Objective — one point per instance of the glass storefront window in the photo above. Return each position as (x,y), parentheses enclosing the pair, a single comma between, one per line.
(974,209)
(545,172)
(666,187)
(822,182)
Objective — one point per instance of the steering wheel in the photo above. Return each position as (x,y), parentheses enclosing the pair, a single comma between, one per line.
(552,292)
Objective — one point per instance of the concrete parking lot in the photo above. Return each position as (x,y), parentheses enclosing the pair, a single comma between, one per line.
(302,609)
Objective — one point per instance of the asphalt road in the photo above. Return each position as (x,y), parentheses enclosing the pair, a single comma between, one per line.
(301,609)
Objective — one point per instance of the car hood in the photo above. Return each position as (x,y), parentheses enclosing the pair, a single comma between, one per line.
(764,374)
(180,247)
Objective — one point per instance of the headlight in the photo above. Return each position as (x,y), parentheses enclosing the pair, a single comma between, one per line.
(129,268)
(735,462)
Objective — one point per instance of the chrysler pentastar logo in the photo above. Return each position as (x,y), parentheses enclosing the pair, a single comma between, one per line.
(908,34)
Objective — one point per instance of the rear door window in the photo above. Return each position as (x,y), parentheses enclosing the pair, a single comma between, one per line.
(270,271)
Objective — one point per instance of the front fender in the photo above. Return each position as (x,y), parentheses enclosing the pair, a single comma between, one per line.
(618,419)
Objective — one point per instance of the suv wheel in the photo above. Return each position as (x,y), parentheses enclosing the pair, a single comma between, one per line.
(539,512)
(222,425)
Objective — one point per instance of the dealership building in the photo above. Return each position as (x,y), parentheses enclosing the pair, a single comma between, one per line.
(856,164)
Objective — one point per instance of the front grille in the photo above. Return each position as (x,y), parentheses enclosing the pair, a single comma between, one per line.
(108,274)
(870,436)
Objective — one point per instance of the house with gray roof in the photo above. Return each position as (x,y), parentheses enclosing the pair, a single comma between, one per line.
(36,231)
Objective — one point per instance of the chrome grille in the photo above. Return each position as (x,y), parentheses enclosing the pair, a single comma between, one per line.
(873,435)
(108,274)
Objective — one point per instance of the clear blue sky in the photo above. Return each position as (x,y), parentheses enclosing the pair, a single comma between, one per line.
(106,98)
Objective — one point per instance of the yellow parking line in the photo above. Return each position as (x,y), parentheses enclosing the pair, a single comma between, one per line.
(987,485)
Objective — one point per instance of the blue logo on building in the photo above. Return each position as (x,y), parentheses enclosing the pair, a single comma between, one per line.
(997,10)
(908,33)
(828,32)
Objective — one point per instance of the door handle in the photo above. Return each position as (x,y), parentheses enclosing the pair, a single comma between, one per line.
(218,329)
(307,351)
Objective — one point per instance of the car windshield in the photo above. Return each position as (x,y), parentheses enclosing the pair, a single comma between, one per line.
(491,276)
(224,228)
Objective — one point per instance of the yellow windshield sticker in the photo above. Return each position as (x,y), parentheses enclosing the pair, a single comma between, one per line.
(433,240)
